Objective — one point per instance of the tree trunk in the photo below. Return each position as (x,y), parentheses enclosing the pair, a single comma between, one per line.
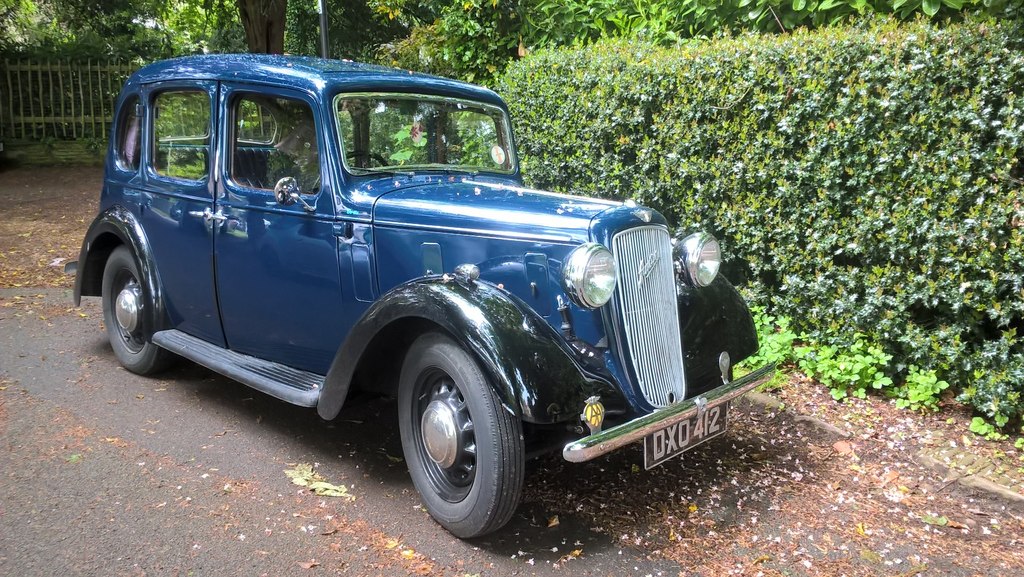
(263,21)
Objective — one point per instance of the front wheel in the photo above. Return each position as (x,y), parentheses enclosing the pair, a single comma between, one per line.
(464,450)
(125,316)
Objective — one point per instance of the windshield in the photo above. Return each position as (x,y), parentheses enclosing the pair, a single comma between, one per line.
(405,132)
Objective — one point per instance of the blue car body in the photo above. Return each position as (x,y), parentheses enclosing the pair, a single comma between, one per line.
(311,300)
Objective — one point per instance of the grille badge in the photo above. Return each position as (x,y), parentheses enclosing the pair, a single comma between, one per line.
(646,267)
(643,214)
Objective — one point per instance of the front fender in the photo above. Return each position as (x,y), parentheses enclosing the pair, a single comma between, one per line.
(538,377)
(111,228)
(713,319)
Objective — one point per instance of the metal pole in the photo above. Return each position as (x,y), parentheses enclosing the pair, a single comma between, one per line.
(322,7)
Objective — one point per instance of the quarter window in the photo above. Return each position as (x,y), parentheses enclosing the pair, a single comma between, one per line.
(129,135)
(181,134)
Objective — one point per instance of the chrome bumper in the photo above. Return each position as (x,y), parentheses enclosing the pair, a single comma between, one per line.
(618,436)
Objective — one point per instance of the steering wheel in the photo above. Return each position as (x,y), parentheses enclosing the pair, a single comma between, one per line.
(366,159)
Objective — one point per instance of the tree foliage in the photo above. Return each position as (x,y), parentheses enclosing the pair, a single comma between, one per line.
(474,39)
(144,29)
(356,29)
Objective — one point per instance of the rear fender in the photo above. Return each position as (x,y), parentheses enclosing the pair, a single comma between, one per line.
(114,227)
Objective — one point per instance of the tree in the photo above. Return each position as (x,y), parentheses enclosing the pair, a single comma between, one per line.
(143,29)
(264,22)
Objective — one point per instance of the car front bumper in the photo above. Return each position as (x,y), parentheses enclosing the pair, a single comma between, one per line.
(618,436)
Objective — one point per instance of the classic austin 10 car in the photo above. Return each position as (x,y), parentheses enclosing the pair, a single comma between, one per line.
(312,227)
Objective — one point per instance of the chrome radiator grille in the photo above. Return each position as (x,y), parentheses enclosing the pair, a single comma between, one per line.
(646,299)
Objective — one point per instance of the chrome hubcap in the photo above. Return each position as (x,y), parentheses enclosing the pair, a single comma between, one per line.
(440,433)
(126,307)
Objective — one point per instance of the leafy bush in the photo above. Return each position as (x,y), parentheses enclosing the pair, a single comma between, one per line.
(776,340)
(863,181)
(921,390)
(849,370)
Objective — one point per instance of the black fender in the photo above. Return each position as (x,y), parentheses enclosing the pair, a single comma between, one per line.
(535,372)
(111,228)
(713,319)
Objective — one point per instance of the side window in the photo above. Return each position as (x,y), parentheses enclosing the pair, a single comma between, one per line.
(274,138)
(129,135)
(181,134)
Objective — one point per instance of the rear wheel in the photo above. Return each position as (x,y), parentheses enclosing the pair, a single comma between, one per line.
(464,450)
(125,316)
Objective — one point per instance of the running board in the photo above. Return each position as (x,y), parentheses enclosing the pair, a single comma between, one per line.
(286,383)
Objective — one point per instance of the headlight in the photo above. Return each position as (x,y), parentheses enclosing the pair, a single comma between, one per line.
(700,256)
(588,275)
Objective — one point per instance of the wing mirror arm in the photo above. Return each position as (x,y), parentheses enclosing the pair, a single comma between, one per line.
(287,192)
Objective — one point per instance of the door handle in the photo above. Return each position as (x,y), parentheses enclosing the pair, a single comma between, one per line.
(208,215)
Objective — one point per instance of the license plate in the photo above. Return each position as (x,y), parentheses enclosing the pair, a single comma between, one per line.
(662,445)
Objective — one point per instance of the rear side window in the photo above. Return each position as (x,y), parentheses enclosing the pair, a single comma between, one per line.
(181,134)
(129,135)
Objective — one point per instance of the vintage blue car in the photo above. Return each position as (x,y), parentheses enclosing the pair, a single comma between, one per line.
(313,227)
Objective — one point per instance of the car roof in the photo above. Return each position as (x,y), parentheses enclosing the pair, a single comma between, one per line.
(316,75)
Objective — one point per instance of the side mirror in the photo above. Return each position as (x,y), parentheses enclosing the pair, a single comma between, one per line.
(287,192)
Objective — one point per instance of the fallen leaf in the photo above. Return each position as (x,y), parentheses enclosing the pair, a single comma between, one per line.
(888,478)
(408,553)
(553,521)
(869,555)
(574,554)
(955,525)
(391,544)
(325,489)
(843,447)
(390,457)
(309,564)
(861,529)
(940,521)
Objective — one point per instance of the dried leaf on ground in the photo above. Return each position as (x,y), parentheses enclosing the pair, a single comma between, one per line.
(843,448)
(303,475)
(938,521)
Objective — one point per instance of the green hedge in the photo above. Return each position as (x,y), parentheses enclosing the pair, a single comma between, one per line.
(863,180)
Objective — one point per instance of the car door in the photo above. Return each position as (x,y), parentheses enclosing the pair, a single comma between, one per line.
(175,201)
(276,264)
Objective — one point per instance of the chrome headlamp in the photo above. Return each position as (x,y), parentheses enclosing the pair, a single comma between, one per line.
(700,257)
(588,275)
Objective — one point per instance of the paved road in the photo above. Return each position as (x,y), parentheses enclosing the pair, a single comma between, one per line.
(108,473)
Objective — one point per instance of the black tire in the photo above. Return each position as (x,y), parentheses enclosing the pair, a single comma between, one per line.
(480,490)
(132,345)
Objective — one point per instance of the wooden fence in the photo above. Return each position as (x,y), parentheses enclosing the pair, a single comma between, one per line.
(52,104)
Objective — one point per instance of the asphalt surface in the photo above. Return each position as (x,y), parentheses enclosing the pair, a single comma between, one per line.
(104,473)
(108,473)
